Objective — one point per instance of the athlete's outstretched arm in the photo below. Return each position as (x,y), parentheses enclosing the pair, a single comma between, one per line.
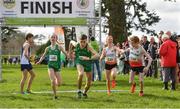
(71,45)
(59,42)
(149,60)
(95,54)
(120,51)
(62,49)
(43,56)
(125,50)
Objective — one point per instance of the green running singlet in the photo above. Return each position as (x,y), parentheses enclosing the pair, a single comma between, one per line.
(83,52)
(54,56)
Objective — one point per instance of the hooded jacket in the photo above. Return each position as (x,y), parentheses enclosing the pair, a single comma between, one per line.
(168,52)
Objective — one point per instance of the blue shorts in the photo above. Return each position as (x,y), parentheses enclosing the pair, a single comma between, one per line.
(27,67)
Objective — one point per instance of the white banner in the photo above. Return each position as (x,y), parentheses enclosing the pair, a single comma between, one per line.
(47,8)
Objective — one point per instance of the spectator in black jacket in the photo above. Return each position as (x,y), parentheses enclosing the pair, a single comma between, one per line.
(178,40)
(145,42)
(159,44)
(152,50)
(178,61)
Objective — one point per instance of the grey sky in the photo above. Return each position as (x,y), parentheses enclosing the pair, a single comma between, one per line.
(169,13)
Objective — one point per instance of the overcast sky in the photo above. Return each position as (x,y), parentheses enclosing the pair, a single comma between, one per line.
(169,13)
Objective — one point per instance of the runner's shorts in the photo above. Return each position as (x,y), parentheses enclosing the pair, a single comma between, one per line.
(28,67)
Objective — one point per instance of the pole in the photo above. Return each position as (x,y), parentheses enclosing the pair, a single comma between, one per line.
(1,23)
(100,25)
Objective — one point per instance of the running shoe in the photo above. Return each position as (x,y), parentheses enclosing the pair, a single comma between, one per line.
(133,87)
(113,83)
(29,91)
(85,95)
(141,93)
(108,92)
(24,93)
(79,94)
(55,98)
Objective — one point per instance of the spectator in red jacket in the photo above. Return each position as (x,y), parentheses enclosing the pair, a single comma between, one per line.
(168,53)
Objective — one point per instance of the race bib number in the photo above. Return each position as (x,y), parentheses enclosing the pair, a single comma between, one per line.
(133,60)
(109,59)
(52,58)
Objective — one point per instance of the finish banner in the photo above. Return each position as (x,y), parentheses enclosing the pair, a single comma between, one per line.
(48,9)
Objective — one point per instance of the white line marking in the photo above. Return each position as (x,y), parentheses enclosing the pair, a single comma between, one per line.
(73,91)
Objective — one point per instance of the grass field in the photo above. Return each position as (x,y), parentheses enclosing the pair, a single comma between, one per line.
(9,88)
